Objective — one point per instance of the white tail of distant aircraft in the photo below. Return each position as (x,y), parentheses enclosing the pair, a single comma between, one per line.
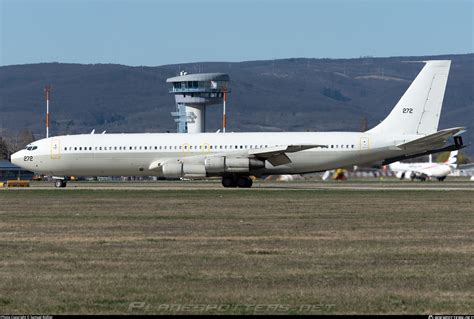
(409,130)
(425,170)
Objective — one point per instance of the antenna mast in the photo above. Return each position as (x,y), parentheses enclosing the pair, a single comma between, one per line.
(47,90)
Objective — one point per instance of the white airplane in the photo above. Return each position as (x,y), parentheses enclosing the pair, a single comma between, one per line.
(409,130)
(422,171)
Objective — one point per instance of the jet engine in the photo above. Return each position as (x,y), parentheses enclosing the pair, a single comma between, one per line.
(178,170)
(215,165)
(222,164)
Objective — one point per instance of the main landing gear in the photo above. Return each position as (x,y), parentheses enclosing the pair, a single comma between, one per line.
(236,181)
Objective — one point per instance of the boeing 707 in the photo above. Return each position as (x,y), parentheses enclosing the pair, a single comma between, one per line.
(411,129)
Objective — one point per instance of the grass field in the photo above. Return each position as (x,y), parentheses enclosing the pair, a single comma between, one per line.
(236,251)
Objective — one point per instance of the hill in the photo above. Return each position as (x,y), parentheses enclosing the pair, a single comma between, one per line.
(278,95)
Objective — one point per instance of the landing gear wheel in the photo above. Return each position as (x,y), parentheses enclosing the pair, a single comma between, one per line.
(229,181)
(244,182)
(60,183)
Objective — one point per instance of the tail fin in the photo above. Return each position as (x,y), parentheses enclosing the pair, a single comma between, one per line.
(419,109)
(453,159)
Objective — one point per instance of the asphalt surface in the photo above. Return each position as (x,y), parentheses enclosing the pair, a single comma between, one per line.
(454,184)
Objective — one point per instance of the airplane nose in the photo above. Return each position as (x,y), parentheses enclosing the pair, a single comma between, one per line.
(15,158)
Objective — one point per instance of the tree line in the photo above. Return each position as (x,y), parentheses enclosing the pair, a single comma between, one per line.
(10,144)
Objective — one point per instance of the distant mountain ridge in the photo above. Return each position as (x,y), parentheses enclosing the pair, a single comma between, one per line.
(276,95)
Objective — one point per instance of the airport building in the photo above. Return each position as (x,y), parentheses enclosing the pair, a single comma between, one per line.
(8,171)
(193,94)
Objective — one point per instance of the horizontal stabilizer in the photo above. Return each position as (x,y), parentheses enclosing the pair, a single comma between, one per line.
(432,141)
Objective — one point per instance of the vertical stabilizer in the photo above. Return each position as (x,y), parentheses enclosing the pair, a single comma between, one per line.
(419,109)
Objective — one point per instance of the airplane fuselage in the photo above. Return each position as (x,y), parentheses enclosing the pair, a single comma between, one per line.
(132,154)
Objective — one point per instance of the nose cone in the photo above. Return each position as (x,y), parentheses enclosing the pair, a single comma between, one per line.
(16,158)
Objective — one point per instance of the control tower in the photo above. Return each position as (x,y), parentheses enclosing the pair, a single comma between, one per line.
(193,93)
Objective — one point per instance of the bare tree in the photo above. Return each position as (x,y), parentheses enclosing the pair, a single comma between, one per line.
(4,150)
(26,137)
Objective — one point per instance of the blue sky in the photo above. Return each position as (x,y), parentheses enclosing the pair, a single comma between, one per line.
(151,33)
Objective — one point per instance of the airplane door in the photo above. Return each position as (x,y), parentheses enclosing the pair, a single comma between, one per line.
(55,148)
(364,143)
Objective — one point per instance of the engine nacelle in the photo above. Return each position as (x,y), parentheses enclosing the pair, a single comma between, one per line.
(178,170)
(222,164)
(172,170)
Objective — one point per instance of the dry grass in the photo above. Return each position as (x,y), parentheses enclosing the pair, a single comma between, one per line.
(236,251)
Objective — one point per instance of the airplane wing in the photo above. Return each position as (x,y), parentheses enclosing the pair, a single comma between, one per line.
(432,141)
(276,155)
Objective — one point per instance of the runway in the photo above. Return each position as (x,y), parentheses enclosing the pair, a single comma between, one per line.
(457,184)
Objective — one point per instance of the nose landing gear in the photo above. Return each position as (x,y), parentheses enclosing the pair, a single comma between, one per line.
(60,183)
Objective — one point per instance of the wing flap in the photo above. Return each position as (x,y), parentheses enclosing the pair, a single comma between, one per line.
(276,155)
(275,150)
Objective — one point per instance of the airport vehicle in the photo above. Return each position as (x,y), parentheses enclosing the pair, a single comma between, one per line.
(423,171)
(410,130)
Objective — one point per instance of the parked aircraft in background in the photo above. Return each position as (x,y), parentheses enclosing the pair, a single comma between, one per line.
(410,130)
(425,170)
